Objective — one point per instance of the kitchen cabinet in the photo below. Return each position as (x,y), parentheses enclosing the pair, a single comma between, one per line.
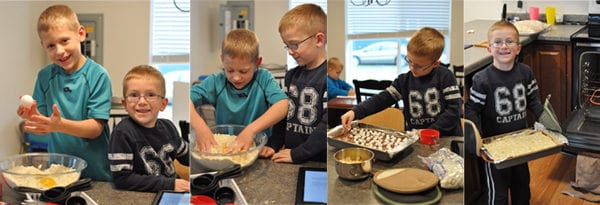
(551,64)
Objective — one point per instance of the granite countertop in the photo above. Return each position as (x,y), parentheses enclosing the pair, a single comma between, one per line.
(342,191)
(267,182)
(101,193)
(476,31)
(560,33)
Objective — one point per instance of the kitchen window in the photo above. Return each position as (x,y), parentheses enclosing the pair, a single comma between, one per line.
(377,35)
(170,42)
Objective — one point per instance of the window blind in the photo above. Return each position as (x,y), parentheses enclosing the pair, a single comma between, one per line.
(170,31)
(397,16)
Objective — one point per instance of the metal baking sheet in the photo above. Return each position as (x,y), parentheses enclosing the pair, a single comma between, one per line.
(334,133)
(512,161)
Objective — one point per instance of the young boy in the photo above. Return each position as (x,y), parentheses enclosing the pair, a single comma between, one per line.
(429,91)
(301,136)
(336,86)
(142,147)
(242,94)
(72,95)
(497,104)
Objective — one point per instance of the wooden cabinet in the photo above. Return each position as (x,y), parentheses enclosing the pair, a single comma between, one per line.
(551,63)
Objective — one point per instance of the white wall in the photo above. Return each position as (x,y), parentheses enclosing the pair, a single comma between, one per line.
(336,31)
(456,33)
(205,45)
(126,36)
(492,9)
(267,15)
(20,64)
(204,34)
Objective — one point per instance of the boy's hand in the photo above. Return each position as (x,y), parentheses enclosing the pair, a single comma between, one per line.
(284,155)
(347,119)
(242,142)
(182,185)
(27,112)
(266,152)
(42,124)
(204,141)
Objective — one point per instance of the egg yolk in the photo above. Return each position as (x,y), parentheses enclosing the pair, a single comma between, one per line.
(47,182)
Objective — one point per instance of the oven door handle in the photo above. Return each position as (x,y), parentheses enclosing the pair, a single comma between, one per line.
(594,45)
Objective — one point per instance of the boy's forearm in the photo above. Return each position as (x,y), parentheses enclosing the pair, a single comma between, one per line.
(196,122)
(89,129)
(273,115)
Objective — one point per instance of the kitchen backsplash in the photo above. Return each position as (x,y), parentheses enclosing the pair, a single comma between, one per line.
(562,6)
(582,19)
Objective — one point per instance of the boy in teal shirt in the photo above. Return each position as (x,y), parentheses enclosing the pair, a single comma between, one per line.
(242,94)
(72,95)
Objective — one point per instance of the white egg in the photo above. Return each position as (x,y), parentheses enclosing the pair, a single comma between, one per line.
(26,101)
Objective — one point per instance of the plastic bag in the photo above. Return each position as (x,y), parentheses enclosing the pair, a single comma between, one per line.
(448,166)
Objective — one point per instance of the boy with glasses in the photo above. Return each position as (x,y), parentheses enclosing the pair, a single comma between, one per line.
(301,136)
(498,103)
(429,91)
(143,147)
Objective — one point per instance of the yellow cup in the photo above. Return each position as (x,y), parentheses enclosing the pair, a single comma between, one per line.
(550,15)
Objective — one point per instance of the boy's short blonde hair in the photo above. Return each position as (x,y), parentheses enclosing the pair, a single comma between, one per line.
(427,42)
(57,16)
(240,43)
(334,63)
(144,71)
(309,18)
(502,25)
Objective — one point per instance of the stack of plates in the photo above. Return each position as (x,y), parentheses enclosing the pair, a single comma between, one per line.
(407,186)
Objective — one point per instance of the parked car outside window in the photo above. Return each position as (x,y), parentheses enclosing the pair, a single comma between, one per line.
(379,53)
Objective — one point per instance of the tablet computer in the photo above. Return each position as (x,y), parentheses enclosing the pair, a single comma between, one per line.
(165,197)
(311,187)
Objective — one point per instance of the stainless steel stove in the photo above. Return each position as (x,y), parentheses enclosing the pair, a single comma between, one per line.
(583,123)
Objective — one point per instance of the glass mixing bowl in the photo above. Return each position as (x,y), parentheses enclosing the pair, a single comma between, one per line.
(41,170)
(212,161)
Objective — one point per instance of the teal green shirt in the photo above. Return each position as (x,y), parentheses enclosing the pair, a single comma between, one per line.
(243,106)
(84,94)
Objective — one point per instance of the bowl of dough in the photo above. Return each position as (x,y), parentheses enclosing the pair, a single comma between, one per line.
(219,157)
(41,171)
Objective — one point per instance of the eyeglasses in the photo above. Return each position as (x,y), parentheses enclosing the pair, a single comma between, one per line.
(418,67)
(294,46)
(500,43)
(150,97)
